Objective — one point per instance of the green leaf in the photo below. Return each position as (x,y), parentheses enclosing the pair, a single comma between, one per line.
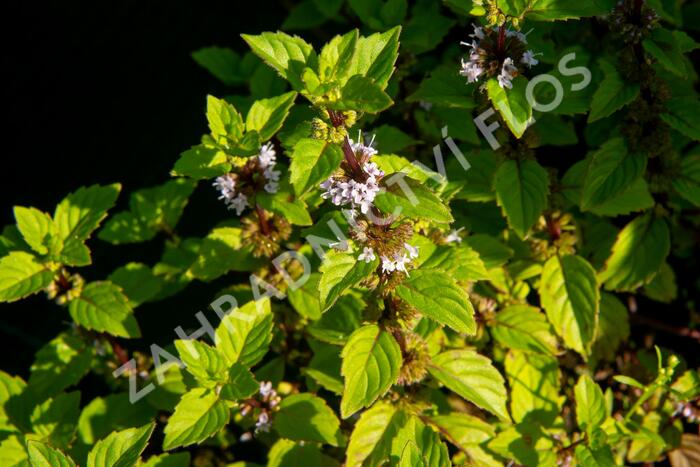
(266,116)
(305,299)
(473,377)
(199,415)
(638,253)
(324,367)
(427,27)
(55,420)
(284,204)
(203,361)
(10,388)
(436,295)
(339,321)
(224,120)
(381,434)
(415,201)
(570,296)
(313,161)
(221,62)
(512,104)
(525,328)
(521,191)
(463,430)
(121,448)
(391,140)
(339,272)
(241,383)
(78,215)
(663,287)
(286,54)
(286,453)
(682,116)
(534,387)
(137,281)
(664,47)
(22,275)
(37,229)
(613,327)
(202,162)
(552,10)
(59,364)
(320,423)
(526,444)
(590,404)
(244,334)
(462,262)
(103,307)
(336,56)
(375,56)
(222,251)
(687,183)
(363,95)
(612,94)
(113,412)
(444,87)
(179,459)
(611,171)
(371,363)
(41,454)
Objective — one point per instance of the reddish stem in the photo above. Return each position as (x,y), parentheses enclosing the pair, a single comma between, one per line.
(262,220)
(501,39)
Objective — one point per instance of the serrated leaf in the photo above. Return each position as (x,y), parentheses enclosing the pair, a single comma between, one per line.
(60,363)
(199,415)
(473,377)
(37,229)
(375,56)
(320,423)
(286,54)
(305,299)
(371,363)
(410,198)
(121,448)
(286,453)
(664,47)
(613,327)
(461,262)
(224,120)
(590,404)
(221,62)
(682,116)
(436,295)
(222,251)
(103,307)
(284,204)
(362,94)
(525,328)
(55,420)
(570,296)
(312,161)
(202,162)
(203,361)
(611,171)
(613,93)
(534,387)
(521,188)
(638,253)
(241,383)
(22,275)
(512,104)
(687,183)
(81,212)
(445,87)
(339,272)
(266,116)
(42,455)
(244,334)
(137,281)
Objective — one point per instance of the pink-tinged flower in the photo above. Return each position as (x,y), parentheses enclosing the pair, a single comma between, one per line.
(367,255)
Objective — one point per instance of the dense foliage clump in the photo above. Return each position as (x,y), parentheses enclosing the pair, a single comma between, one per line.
(437,237)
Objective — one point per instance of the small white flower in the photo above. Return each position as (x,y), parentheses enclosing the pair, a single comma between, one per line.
(372,170)
(454,236)
(518,35)
(472,70)
(412,250)
(270,174)
(478,32)
(400,262)
(266,388)
(263,424)
(388,265)
(227,186)
(271,187)
(508,71)
(267,156)
(362,150)
(239,203)
(529,59)
(367,255)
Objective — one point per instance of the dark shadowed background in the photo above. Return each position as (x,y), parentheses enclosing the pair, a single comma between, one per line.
(103,92)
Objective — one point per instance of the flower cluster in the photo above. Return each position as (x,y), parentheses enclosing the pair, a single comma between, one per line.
(345,190)
(488,44)
(399,260)
(268,400)
(257,173)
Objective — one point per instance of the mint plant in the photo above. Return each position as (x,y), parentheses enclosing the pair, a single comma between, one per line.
(438,243)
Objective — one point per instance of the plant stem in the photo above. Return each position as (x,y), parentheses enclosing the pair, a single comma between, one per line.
(262,220)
